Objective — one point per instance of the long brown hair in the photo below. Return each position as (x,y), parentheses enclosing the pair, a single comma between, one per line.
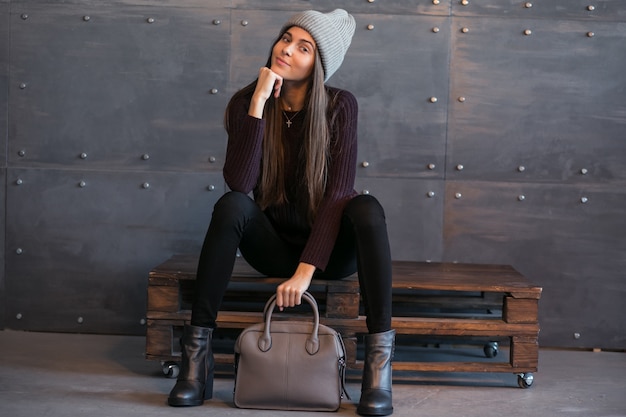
(271,187)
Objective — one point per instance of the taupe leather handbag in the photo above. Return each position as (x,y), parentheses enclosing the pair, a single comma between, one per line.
(289,365)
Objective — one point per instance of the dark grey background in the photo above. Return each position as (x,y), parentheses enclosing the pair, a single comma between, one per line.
(112,145)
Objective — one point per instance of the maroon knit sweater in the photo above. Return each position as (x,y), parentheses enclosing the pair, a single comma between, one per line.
(242,170)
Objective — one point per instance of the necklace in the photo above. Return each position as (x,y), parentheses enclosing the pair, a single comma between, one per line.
(289,121)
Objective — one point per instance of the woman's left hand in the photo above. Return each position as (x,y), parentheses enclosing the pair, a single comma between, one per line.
(289,293)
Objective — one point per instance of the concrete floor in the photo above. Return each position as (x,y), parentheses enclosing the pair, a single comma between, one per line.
(54,375)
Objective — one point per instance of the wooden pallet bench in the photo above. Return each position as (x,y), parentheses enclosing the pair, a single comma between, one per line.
(433,300)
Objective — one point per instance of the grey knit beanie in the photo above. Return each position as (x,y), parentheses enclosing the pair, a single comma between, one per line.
(332,33)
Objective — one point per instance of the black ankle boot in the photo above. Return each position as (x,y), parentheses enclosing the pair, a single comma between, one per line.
(195,381)
(376,385)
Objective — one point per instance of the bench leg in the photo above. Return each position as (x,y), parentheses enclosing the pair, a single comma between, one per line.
(524,353)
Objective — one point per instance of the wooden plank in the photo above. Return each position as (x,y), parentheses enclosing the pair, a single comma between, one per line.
(403,325)
(462,277)
(453,366)
(159,336)
(163,298)
(460,327)
(525,351)
(520,310)
(498,367)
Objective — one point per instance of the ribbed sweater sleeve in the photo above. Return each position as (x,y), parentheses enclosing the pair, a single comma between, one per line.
(340,183)
(242,165)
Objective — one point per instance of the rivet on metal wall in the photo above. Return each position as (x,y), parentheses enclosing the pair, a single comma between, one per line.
(465,2)
(591,7)
(150,20)
(590,34)
(19,251)
(145,156)
(217,22)
(244,23)
(433,99)
(145,185)
(86,18)
(431,166)
(82,184)
(211,187)
(584,200)
(142,322)
(212,159)
(577,335)
(436,2)
(521,197)
(21,152)
(461,99)
(365,192)
(528,32)
(459,167)
(458,195)
(19,181)
(464,30)
(214,91)
(435,29)
(528,5)
(22,86)
(370,27)
(365,164)
(24,16)
(430,194)
(80,320)
(584,171)
(371,1)
(521,168)
(83,155)
(18,316)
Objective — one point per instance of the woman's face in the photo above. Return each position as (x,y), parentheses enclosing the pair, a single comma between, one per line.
(293,55)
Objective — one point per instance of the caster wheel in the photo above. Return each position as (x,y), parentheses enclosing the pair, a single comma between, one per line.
(171,369)
(491,349)
(525,380)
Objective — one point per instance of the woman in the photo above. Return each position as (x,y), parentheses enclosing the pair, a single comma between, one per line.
(292,142)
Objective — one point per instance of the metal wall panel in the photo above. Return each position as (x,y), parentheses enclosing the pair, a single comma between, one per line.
(3,293)
(253,32)
(4,79)
(568,238)
(543,106)
(123,86)
(400,79)
(552,9)
(414,212)
(78,255)
(423,7)
(4,108)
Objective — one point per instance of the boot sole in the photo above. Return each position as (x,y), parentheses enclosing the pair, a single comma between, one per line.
(378,412)
(185,403)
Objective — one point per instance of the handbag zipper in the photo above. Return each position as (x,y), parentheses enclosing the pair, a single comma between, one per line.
(342,368)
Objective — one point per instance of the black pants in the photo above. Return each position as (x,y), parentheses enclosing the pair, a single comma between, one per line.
(238,222)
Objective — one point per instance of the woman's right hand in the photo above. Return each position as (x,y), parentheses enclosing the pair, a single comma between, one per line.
(269,83)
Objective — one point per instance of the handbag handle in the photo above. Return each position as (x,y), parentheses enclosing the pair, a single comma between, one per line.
(312,342)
